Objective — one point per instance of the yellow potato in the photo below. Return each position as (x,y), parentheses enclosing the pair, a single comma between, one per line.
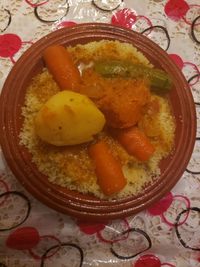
(68,118)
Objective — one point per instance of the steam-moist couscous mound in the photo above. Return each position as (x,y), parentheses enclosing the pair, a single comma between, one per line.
(71,166)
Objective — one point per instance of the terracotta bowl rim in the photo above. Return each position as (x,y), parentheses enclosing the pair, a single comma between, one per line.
(75,204)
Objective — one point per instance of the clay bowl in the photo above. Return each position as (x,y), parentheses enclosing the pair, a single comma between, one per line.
(73,203)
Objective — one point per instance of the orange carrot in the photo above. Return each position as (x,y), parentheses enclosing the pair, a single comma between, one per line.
(108,170)
(136,143)
(61,66)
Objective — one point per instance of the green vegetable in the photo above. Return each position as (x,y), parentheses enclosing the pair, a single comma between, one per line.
(159,80)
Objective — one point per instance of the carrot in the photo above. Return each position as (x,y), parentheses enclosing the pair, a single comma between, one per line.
(61,66)
(108,170)
(136,143)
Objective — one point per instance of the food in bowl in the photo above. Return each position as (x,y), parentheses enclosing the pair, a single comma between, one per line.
(129,102)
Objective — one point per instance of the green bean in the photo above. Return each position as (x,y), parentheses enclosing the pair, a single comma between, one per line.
(160,81)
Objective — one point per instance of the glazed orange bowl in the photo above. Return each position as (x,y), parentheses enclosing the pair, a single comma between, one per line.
(70,201)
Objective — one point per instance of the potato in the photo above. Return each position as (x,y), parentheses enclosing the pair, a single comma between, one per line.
(68,118)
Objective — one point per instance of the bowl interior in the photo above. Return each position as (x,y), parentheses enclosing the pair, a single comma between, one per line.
(76,204)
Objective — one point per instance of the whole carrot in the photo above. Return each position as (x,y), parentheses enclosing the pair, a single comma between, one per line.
(108,170)
(136,143)
(61,66)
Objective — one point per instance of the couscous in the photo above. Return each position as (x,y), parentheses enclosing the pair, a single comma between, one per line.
(71,165)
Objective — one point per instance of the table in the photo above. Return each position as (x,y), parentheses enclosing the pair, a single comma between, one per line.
(167,234)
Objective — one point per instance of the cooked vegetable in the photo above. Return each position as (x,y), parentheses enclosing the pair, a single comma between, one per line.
(62,68)
(136,143)
(68,118)
(123,105)
(108,170)
(159,80)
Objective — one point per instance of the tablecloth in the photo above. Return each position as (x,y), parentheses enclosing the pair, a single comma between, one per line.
(168,233)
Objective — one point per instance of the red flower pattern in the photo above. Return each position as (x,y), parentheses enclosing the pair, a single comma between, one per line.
(176,9)
(10,44)
(178,60)
(162,205)
(147,260)
(124,17)
(90,228)
(23,238)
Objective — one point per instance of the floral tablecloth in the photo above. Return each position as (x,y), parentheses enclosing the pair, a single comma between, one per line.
(167,234)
